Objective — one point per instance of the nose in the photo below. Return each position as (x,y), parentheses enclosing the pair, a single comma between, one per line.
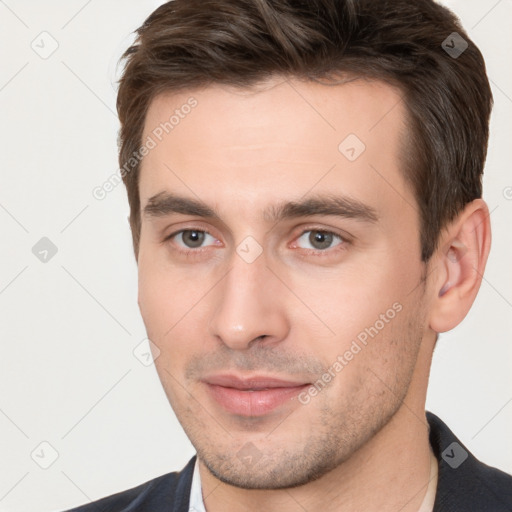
(249,306)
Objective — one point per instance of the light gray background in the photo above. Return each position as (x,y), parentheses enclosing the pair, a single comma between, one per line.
(68,375)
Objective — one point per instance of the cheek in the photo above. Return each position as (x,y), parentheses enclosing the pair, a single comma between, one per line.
(351,298)
(172,304)
(162,290)
(376,364)
(160,298)
(152,298)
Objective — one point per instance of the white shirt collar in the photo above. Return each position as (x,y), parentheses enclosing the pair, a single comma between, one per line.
(196,497)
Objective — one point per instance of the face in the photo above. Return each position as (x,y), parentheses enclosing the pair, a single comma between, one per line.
(280,278)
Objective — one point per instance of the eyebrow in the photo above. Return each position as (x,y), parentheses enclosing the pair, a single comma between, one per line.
(164,204)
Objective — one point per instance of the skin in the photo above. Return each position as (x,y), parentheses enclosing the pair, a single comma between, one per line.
(362,442)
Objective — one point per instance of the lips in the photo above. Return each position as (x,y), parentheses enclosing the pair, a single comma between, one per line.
(252,396)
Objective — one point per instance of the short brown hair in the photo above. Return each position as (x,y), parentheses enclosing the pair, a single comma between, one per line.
(193,43)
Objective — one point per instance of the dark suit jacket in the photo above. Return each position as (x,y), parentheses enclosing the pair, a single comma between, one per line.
(464,483)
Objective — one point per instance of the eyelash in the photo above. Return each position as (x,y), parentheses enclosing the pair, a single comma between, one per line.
(344,241)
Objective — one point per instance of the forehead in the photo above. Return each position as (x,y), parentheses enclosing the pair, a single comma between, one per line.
(359,105)
(276,140)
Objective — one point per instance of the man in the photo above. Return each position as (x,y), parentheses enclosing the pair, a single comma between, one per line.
(304,181)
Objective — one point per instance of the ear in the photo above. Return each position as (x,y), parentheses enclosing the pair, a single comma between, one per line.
(458,265)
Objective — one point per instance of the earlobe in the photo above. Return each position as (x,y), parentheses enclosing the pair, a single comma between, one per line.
(460,263)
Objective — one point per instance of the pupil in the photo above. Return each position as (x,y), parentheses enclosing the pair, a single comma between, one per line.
(320,240)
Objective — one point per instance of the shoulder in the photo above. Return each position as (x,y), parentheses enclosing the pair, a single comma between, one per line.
(169,493)
(465,483)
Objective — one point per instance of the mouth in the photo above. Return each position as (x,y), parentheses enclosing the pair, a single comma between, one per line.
(252,396)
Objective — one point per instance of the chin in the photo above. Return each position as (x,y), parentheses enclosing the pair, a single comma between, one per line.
(278,471)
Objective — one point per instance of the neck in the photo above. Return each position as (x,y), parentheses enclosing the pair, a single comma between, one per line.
(390,472)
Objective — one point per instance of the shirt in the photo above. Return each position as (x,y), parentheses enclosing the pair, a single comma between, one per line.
(196,496)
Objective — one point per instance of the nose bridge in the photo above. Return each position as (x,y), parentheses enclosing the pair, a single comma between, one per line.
(247,304)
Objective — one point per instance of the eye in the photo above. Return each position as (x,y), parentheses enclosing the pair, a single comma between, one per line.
(319,240)
(191,238)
